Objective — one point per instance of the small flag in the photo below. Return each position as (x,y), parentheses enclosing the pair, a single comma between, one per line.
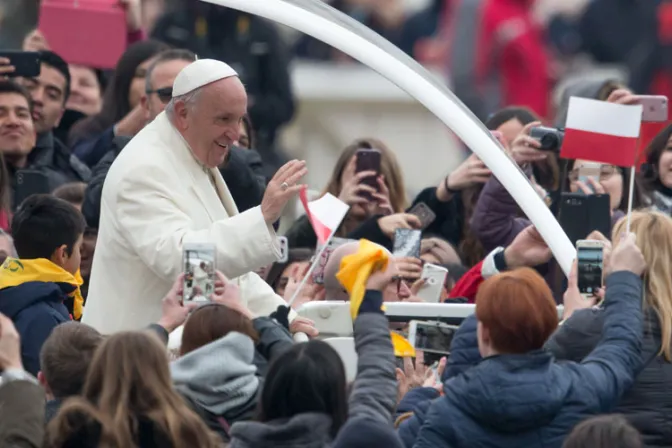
(324,214)
(602,132)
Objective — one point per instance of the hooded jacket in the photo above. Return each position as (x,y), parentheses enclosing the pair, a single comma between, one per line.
(36,308)
(220,392)
(529,400)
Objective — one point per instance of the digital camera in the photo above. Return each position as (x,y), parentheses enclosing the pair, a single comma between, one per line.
(550,138)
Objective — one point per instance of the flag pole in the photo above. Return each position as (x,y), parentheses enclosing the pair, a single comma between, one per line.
(631,194)
(318,256)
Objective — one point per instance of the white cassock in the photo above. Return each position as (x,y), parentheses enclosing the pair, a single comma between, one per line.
(157,197)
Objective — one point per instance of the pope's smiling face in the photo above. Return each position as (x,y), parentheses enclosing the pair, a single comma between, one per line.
(211,123)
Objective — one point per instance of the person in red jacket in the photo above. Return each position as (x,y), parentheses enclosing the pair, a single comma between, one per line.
(498,56)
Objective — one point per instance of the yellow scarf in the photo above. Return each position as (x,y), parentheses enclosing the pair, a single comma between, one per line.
(15,272)
(354,272)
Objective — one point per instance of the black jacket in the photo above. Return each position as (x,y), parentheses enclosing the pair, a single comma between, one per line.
(244,176)
(648,403)
(249,44)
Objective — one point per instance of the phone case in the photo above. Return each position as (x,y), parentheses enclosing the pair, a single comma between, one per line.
(26,63)
(580,215)
(424,214)
(407,243)
(654,109)
(435,277)
(368,160)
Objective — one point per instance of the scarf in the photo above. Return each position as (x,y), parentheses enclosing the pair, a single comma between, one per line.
(355,271)
(15,272)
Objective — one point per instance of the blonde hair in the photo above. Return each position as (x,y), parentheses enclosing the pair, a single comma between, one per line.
(389,167)
(128,380)
(654,238)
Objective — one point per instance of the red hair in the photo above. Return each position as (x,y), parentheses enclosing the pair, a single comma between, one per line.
(518,310)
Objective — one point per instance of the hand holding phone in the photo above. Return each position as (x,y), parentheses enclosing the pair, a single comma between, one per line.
(588,171)
(424,214)
(434,278)
(431,337)
(20,63)
(368,160)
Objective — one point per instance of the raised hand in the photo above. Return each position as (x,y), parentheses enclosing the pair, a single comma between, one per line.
(528,249)
(525,149)
(174,311)
(388,224)
(573,299)
(281,189)
(10,345)
(626,256)
(227,293)
(471,172)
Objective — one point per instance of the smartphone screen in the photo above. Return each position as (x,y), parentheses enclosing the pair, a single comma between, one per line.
(368,160)
(590,266)
(433,337)
(199,272)
(407,243)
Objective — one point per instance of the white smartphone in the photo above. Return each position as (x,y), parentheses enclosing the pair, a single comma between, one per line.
(199,265)
(654,108)
(431,337)
(435,278)
(284,249)
(590,261)
(590,170)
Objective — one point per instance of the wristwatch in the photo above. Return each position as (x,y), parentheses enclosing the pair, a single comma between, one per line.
(10,375)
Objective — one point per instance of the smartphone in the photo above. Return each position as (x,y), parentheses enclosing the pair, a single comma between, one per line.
(284,249)
(368,160)
(589,170)
(424,214)
(318,273)
(431,337)
(654,108)
(26,63)
(407,243)
(199,263)
(28,183)
(590,260)
(579,215)
(435,278)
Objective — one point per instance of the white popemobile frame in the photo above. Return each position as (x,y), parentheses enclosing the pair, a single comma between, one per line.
(417,82)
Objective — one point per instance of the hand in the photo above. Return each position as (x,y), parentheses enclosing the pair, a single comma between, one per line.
(415,375)
(409,268)
(382,199)
(527,249)
(5,68)
(592,187)
(472,171)
(573,300)
(595,235)
(132,123)
(10,345)
(227,293)
(389,224)
(309,291)
(525,149)
(174,311)
(379,279)
(622,96)
(275,197)
(434,380)
(35,41)
(415,289)
(303,325)
(351,191)
(626,256)
(133,14)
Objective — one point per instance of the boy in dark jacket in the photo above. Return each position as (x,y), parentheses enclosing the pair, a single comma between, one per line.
(40,289)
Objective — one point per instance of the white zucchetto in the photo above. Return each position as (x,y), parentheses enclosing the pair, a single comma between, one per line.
(201,73)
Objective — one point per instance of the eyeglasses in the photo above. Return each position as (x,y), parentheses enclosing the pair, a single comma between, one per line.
(165,94)
(606,171)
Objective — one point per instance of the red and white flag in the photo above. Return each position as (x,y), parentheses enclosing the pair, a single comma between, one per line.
(602,132)
(324,214)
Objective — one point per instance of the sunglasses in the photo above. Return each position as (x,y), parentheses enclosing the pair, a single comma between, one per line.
(165,94)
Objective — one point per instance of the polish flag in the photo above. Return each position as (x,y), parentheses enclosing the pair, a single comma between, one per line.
(602,132)
(324,214)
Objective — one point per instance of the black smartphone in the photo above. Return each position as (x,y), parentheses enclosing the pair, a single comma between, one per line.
(407,243)
(580,215)
(368,160)
(26,63)
(28,183)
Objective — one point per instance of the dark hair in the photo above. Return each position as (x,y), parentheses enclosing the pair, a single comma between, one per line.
(309,377)
(649,177)
(522,114)
(43,223)
(7,87)
(72,192)
(293,256)
(173,54)
(211,322)
(66,355)
(116,94)
(54,61)
(247,124)
(604,431)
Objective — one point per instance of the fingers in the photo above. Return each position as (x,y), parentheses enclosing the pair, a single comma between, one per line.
(572,281)
(359,177)
(289,166)
(191,306)
(221,278)
(296,175)
(419,358)
(441,368)
(597,236)
(584,188)
(529,126)
(400,374)
(412,220)
(408,366)
(597,187)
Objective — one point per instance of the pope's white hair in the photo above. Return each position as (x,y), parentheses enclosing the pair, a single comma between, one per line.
(189,99)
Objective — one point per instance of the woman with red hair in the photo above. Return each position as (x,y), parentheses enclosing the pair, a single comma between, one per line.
(518,396)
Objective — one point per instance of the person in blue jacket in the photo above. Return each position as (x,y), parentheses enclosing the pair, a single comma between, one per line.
(518,396)
(40,289)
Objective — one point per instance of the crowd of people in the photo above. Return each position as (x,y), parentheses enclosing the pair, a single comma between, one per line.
(105,178)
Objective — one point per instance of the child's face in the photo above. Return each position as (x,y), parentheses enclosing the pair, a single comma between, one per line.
(71,263)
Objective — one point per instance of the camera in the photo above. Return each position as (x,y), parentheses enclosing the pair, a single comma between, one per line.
(550,138)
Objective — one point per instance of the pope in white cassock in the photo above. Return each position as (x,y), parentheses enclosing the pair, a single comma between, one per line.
(164,190)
